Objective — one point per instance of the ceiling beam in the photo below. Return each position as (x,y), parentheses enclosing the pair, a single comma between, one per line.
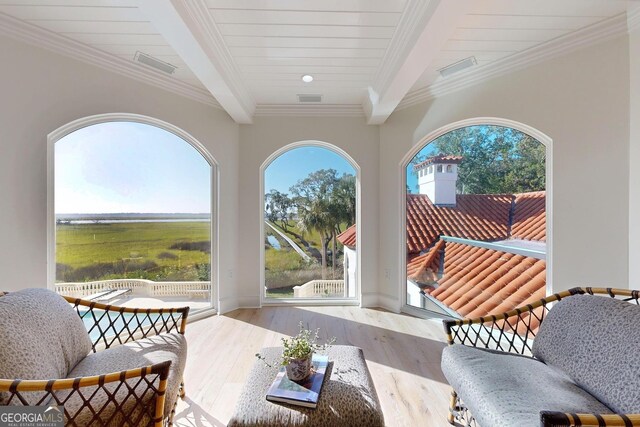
(189,29)
(424,29)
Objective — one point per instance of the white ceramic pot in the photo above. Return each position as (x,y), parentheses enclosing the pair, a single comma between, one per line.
(299,369)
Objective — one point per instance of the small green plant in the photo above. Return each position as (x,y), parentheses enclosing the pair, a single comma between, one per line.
(300,346)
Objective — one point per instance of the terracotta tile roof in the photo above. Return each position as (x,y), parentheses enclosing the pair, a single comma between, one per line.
(446,159)
(423,268)
(348,237)
(475,216)
(529,218)
(478,281)
(475,281)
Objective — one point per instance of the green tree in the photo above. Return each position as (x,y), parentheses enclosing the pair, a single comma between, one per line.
(343,204)
(323,201)
(496,159)
(312,197)
(315,215)
(277,207)
(344,196)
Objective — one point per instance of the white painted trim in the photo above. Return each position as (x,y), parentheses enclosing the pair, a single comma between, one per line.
(411,21)
(40,37)
(189,28)
(201,314)
(425,314)
(596,33)
(83,122)
(493,121)
(356,167)
(432,23)
(633,17)
(390,302)
(369,299)
(249,302)
(293,302)
(303,110)
(227,304)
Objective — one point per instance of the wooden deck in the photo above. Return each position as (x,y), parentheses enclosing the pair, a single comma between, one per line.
(402,352)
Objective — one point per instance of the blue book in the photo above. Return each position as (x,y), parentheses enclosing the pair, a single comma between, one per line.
(305,393)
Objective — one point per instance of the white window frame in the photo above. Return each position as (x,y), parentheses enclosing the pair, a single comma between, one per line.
(264,301)
(428,139)
(75,125)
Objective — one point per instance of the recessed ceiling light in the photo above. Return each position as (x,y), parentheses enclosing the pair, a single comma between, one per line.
(307,78)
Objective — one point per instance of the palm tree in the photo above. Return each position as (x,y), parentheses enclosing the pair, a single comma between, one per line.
(316,215)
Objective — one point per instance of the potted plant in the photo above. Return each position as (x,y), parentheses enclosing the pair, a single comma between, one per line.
(298,352)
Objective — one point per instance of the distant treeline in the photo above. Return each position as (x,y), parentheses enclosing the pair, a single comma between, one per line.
(130,216)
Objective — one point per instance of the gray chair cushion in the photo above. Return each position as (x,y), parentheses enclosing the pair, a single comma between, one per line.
(506,390)
(596,341)
(41,337)
(132,355)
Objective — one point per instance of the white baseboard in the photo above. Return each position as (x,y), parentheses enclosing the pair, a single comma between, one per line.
(227,304)
(370,299)
(251,301)
(390,302)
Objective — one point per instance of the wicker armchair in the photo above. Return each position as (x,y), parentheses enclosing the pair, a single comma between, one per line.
(124,368)
(513,333)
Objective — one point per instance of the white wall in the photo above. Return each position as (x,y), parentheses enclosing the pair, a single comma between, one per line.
(269,134)
(351,272)
(634,158)
(581,101)
(41,91)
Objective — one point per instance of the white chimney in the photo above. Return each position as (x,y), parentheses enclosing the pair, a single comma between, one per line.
(437,177)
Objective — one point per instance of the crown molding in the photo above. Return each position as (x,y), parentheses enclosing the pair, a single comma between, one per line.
(300,110)
(40,37)
(422,33)
(633,18)
(412,19)
(200,19)
(596,33)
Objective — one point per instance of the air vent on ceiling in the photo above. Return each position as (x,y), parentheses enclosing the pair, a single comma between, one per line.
(149,60)
(309,98)
(456,67)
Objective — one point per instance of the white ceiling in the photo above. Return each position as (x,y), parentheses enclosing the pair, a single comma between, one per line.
(365,55)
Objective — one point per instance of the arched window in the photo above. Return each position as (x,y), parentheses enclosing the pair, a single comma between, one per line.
(133,215)
(479,241)
(310,213)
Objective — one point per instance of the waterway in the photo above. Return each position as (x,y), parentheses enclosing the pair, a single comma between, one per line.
(123,221)
(275,244)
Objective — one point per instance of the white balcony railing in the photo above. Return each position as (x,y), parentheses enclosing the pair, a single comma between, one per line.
(139,287)
(320,288)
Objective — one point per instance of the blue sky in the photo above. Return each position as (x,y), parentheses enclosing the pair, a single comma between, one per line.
(296,164)
(129,167)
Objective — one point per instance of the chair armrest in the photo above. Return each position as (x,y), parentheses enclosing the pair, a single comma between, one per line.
(109,324)
(132,386)
(511,332)
(561,419)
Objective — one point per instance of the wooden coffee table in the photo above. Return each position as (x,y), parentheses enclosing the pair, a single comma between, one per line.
(348,396)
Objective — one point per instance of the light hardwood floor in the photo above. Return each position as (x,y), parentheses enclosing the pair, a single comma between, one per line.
(402,352)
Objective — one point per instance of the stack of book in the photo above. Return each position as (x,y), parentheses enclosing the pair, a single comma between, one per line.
(304,393)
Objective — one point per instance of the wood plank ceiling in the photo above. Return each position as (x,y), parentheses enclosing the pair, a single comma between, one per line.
(340,42)
(355,49)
